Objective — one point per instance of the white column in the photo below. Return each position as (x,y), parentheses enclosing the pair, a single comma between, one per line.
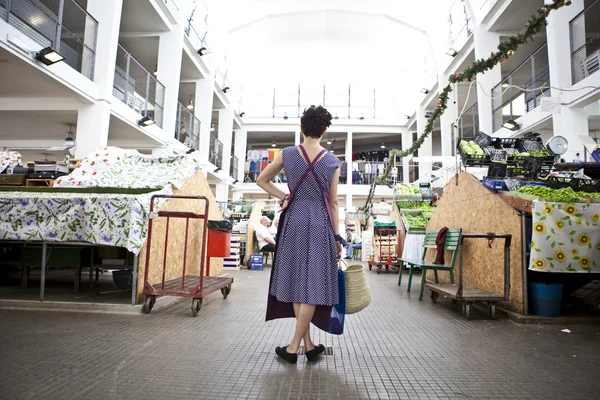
(236,196)
(571,122)
(225,135)
(485,43)
(221,192)
(239,150)
(349,170)
(169,72)
(426,148)
(108,15)
(92,128)
(297,137)
(406,143)
(203,111)
(349,159)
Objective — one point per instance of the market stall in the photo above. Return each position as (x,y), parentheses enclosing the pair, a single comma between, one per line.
(415,207)
(554,230)
(105,202)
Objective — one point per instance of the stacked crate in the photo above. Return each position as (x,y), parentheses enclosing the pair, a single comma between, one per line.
(232,263)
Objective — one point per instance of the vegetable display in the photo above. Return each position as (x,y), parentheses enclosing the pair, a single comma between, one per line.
(416,221)
(471,148)
(564,195)
(414,205)
(405,189)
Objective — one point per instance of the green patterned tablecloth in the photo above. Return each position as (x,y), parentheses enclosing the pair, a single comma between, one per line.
(105,219)
(565,238)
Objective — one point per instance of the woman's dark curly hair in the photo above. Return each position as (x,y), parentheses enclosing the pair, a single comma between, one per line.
(315,120)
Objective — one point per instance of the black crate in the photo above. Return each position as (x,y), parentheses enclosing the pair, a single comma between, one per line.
(470,160)
(497,170)
(529,145)
(556,182)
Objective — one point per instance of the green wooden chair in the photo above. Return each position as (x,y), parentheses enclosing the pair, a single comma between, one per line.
(265,254)
(451,244)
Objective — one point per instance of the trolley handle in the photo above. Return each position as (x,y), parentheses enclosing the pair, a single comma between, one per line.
(172,196)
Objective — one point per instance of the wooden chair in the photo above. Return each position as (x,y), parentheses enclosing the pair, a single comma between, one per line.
(451,244)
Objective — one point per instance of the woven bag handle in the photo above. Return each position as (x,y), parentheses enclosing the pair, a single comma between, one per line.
(342,264)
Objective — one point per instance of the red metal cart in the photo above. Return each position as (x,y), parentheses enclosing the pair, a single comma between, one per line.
(196,287)
(388,254)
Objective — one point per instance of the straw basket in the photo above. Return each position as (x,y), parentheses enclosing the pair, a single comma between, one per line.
(358,294)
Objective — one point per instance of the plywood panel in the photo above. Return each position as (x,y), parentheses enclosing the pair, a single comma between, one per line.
(476,209)
(253,222)
(176,250)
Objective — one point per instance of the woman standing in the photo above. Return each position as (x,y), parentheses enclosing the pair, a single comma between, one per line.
(304,276)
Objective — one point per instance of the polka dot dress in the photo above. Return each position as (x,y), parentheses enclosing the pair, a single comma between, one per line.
(305,269)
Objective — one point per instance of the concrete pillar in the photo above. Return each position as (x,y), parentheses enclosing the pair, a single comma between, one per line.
(485,43)
(297,137)
(241,143)
(221,192)
(169,72)
(407,141)
(571,122)
(237,196)
(349,159)
(108,15)
(426,149)
(203,111)
(93,122)
(225,135)
(349,170)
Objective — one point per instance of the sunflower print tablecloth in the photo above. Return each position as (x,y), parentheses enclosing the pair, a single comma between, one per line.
(565,237)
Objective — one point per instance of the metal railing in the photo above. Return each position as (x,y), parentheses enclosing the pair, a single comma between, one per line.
(187,128)
(61,24)
(135,86)
(233,168)
(510,100)
(584,31)
(484,7)
(468,123)
(197,40)
(215,154)
(460,27)
(167,2)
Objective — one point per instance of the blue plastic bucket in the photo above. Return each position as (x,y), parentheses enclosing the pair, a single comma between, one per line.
(545,298)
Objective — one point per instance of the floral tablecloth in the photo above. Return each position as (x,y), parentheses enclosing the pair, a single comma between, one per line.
(119,168)
(565,238)
(9,159)
(105,219)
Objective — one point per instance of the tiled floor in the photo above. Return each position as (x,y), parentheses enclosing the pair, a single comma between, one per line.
(397,348)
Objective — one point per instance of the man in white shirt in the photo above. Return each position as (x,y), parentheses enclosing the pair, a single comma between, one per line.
(354,242)
(265,239)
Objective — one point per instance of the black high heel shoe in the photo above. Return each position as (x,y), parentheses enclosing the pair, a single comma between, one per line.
(282,352)
(313,354)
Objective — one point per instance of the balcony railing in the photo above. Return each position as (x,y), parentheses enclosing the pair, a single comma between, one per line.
(585,42)
(187,128)
(137,87)
(215,155)
(60,24)
(483,7)
(522,90)
(233,169)
(460,26)
(198,41)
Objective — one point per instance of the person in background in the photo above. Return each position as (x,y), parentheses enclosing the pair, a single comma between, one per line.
(273,228)
(354,242)
(266,241)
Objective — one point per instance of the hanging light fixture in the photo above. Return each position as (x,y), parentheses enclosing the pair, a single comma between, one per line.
(505,85)
(69,141)
(273,144)
(155,73)
(452,52)
(190,105)
(226,89)
(383,145)
(242,114)
(212,127)
(285,116)
(425,91)
(512,125)
(202,51)
(146,121)
(329,141)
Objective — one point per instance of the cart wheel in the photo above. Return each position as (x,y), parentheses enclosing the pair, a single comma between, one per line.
(493,311)
(196,306)
(225,291)
(378,270)
(387,268)
(148,304)
(468,311)
(434,297)
(370,267)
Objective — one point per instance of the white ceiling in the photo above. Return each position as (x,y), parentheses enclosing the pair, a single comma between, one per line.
(37,125)
(140,16)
